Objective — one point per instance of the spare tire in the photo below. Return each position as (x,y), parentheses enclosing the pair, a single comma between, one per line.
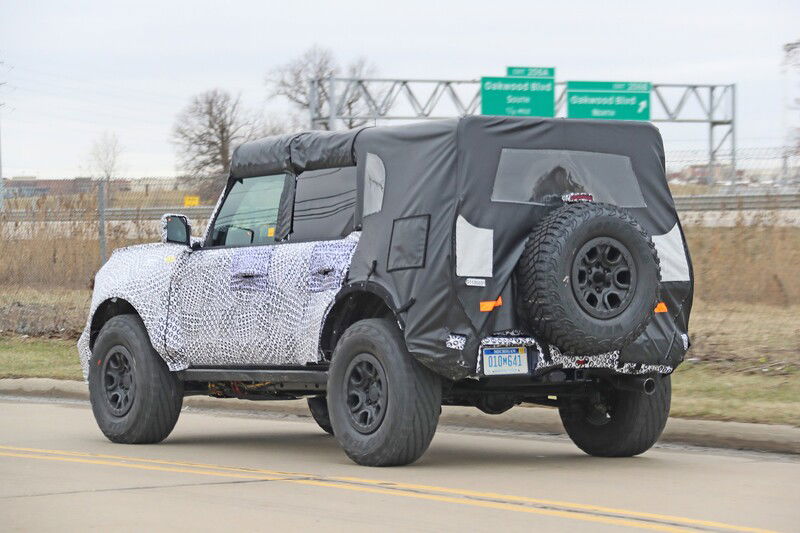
(588,279)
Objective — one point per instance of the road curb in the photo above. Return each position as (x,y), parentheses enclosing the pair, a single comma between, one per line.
(707,433)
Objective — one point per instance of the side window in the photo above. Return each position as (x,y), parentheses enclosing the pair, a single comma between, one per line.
(374,183)
(249,212)
(324,204)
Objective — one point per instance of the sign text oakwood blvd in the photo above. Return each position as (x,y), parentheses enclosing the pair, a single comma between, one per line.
(529,93)
(612,100)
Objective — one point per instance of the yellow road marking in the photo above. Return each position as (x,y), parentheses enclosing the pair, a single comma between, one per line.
(574,511)
(139,466)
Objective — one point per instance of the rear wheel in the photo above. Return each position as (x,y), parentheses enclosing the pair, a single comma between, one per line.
(384,405)
(612,422)
(318,405)
(135,398)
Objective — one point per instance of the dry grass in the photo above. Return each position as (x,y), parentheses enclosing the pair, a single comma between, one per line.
(748,264)
(691,189)
(748,338)
(22,357)
(54,312)
(703,391)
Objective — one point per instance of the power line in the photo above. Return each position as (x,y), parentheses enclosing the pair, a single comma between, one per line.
(95,83)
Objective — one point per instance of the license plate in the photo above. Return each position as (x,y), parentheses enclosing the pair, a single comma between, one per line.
(505,361)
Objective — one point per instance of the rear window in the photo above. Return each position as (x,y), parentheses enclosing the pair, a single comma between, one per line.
(324,205)
(539,176)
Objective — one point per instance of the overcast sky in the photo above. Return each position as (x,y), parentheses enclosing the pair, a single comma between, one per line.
(76,69)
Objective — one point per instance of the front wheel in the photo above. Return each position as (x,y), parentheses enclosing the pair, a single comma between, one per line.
(384,406)
(135,398)
(612,422)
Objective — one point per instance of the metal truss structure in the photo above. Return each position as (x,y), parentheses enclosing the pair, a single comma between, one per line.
(350,102)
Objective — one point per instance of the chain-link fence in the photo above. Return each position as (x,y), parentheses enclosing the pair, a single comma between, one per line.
(753,170)
(54,233)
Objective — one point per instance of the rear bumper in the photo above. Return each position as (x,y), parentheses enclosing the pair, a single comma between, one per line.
(543,359)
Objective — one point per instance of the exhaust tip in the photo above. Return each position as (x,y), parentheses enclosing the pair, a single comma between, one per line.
(649,386)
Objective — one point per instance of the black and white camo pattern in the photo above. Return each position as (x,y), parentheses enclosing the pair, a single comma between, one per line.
(608,360)
(269,310)
(456,341)
(141,276)
(259,305)
(556,359)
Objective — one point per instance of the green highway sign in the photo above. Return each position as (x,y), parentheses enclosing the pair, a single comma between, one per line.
(531,72)
(610,100)
(518,96)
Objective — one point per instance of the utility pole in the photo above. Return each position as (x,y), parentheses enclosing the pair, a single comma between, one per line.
(791,69)
(2,182)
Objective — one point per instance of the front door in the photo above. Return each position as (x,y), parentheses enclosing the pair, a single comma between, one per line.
(246,300)
(222,297)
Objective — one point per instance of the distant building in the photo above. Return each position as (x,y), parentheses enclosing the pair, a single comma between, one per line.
(29,186)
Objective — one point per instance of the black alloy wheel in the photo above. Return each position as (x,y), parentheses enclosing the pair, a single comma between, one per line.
(604,277)
(366,391)
(135,398)
(120,386)
(383,404)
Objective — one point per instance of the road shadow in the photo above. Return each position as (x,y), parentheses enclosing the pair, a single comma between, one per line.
(440,454)
(452,455)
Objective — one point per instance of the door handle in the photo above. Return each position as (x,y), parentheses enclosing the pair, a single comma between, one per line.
(247,275)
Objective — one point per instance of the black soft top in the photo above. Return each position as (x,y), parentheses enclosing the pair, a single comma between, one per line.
(486,180)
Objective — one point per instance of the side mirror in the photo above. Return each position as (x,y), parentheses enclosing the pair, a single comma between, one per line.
(176,229)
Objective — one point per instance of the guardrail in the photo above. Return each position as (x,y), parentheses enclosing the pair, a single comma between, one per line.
(737,202)
(111,213)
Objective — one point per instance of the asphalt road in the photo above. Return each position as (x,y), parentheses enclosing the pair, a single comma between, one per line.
(219,472)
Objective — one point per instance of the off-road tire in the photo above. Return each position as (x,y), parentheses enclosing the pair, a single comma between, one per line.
(318,405)
(636,421)
(158,393)
(413,397)
(545,278)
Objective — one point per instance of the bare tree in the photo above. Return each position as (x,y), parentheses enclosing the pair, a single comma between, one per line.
(206,131)
(293,81)
(205,134)
(354,103)
(104,159)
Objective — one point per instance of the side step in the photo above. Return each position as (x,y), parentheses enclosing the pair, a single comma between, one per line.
(282,378)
